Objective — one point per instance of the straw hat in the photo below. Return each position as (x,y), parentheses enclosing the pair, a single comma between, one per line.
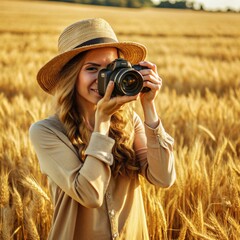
(82,36)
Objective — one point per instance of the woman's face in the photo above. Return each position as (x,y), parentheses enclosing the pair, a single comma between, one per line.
(87,85)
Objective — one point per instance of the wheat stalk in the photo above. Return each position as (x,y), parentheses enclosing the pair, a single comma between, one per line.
(4,191)
(203,236)
(30,227)
(220,151)
(16,232)
(7,224)
(188,222)
(5,232)
(183,232)
(171,209)
(206,130)
(163,220)
(17,203)
(199,217)
(220,232)
(234,223)
(33,185)
(189,225)
(236,199)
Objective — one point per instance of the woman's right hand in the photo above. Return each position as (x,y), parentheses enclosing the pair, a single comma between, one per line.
(107,106)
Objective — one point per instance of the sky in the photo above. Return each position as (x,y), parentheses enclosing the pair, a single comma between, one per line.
(220,4)
(217,4)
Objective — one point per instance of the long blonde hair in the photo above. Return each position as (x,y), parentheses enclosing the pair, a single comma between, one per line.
(121,128)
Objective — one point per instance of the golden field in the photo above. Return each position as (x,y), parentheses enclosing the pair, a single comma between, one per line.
(198,57)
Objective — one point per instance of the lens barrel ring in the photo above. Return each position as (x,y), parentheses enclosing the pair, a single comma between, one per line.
(127,81)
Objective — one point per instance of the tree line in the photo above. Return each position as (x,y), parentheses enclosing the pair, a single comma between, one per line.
(133,3)
(114,3)
(180,4)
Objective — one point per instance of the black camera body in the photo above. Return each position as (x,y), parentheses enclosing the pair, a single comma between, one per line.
(127,78)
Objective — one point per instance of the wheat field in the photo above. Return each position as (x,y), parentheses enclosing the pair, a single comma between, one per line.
(198,57)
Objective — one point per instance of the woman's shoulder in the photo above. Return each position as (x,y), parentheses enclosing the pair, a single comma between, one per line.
(48,134)
(50,124)
(138,124)
(136,119)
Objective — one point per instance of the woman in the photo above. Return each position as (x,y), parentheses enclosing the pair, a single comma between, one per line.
(94,147)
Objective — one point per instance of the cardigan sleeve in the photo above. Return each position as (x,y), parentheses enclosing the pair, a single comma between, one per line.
(154,151)
(85,182)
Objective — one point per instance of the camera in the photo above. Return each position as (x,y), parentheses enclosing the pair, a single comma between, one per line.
(127,78)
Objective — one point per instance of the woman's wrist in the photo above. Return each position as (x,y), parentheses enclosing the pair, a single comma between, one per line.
(102,127)
(150,115)
(102,124)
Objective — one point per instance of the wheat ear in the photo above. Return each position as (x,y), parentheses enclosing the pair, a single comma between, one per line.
(17,203)
(218,228)
(33,185)
(30,227)
(4,191)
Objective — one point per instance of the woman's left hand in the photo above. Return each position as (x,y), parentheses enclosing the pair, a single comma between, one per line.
(151,80)
(154,83)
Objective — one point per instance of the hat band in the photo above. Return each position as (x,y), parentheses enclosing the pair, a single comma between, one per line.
(97,41)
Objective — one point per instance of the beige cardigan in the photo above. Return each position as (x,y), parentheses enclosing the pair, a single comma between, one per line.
(89,204)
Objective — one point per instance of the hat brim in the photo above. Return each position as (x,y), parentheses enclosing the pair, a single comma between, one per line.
(48,75)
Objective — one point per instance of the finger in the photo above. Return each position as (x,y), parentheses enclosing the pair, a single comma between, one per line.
(150,72)
(152,78)
(120,100)
(149,65)
(152,86)
(152,81)
(109,90)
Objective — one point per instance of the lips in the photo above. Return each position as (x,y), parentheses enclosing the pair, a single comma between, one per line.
(95,92)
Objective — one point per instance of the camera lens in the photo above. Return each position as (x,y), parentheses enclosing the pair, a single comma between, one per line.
(128,82)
